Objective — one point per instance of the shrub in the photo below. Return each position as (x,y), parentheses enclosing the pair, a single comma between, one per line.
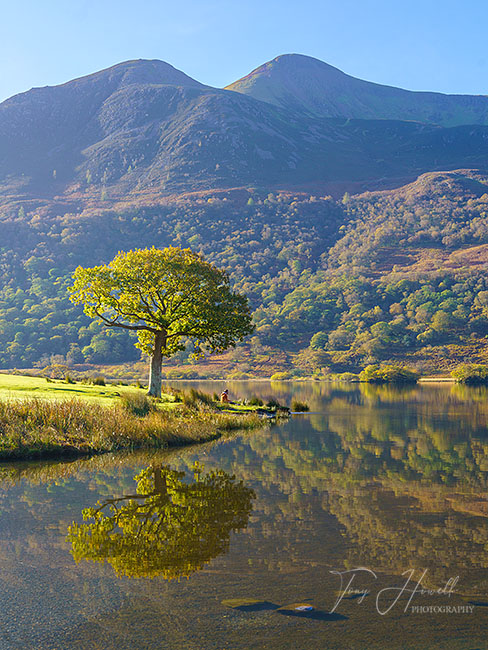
(182,373)
(471,374)
(281,376)
(273,404)
(238,374)
(68,379)
(299,407)
(347,376)
(255,401)
(99,380)
(376,374)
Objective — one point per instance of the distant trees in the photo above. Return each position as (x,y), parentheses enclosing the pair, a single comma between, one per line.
(471,374)
(319,341)
(306,264)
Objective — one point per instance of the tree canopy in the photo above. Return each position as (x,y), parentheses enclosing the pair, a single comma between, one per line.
(164,296)
(168,527)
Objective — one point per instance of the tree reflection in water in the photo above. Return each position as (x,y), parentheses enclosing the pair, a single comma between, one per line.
(168,528)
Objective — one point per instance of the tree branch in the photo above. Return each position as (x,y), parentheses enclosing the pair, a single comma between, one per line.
(113,323)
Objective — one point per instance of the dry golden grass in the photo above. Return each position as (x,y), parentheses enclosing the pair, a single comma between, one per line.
(33,428)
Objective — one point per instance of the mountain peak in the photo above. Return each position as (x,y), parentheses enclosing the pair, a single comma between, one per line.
(314,88)
(140,71)
(287,77)
(121,75)
(297,61)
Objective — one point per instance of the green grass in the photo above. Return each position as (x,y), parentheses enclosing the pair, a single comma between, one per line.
(19,386)
(248,409)
(53,419)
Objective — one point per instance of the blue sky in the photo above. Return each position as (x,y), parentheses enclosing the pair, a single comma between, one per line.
(420,45)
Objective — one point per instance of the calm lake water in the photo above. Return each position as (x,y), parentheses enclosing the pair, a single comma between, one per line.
(385,484)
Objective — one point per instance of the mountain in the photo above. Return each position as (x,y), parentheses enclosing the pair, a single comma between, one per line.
(357,239)
(314,88)
(144,129)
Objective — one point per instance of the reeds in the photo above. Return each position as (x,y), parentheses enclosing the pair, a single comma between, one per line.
(34,428)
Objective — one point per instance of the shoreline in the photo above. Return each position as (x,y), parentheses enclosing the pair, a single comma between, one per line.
(35,428)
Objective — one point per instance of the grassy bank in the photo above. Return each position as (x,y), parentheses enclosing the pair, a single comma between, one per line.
(19,386)
(49,425)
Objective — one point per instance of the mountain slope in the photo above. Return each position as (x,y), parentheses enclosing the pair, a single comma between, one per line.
(47,129)
(312,87)
(143,128)
(141,155)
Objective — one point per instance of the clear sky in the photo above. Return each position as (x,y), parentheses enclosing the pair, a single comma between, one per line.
(416,44)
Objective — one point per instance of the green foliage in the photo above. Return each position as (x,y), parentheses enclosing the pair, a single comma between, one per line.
(239,374)
(255,401)
(299,407)
(317,296)
(377,374)
(471,374)
(37,320)
(319,341)
(347,376)
(170,291)
(281,376)
(169,528)
(273,404)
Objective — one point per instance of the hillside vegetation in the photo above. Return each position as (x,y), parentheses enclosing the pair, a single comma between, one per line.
(334,284)
(141,155)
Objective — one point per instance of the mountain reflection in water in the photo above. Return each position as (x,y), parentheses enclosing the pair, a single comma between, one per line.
(389,479)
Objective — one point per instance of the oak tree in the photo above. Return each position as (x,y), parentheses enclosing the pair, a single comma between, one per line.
(167,297)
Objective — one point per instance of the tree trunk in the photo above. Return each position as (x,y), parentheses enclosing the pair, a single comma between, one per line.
(155,367)
(160,486)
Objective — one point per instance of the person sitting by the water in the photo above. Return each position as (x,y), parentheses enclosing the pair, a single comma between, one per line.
(224,396)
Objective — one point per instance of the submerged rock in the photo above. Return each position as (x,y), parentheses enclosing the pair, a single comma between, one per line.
(249,604)
(306,610)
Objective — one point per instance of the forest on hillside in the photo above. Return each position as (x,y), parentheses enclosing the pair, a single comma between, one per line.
(334,284)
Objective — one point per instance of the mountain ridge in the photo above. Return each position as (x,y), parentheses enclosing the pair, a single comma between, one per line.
(144,127)
(317,88)
(140,154)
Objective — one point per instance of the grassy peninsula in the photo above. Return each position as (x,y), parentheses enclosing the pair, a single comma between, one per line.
(40,418)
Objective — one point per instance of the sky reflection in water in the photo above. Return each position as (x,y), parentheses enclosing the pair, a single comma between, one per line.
(392,480)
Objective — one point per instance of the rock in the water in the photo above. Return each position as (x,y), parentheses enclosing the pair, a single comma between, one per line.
(248,604)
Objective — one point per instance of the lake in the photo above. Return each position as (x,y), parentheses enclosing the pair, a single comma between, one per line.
(371,509)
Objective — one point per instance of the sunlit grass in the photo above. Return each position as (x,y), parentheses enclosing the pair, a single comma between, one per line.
(19,386)
(66,419)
